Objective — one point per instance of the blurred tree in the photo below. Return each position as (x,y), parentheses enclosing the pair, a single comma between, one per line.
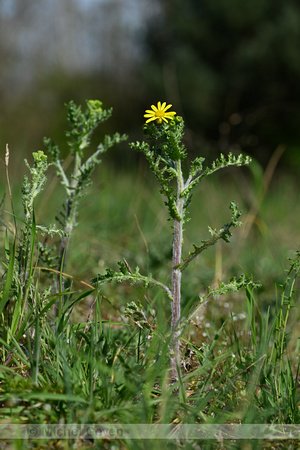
(232,68)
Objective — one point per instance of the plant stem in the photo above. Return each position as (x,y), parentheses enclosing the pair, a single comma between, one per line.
(71,210)
(176,273)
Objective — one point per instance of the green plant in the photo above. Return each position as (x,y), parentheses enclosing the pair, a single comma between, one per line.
(82,124)
(20,295)
(91,366)
(165,157)
(21,291)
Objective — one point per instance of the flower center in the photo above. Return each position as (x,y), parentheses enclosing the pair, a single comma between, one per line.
(159,113)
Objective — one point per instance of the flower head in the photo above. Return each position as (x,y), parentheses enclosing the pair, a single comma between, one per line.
(159,113)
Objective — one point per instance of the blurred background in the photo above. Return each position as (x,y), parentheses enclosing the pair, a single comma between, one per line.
(230,68)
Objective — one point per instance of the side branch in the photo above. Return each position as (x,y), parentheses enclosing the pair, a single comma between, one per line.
(197,174)
(233,286)
(224,233)
(132,277)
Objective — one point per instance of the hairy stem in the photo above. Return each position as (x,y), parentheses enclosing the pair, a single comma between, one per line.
(176,273)
(71,210)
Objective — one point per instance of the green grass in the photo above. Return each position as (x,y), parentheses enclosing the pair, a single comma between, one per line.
(92,364)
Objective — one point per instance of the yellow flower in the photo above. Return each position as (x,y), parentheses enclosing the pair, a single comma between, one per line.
(159,113)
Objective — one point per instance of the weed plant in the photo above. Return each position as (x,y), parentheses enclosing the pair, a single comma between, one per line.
(145,366)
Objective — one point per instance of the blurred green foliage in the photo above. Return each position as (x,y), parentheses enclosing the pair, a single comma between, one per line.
(233,67)
(230,68)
